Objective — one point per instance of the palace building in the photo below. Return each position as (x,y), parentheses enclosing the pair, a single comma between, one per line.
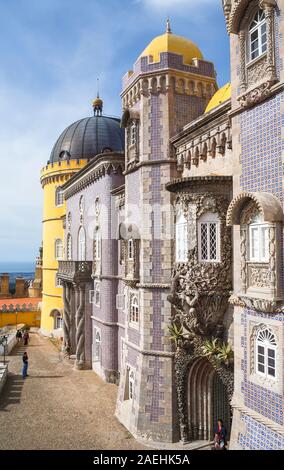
(163,238)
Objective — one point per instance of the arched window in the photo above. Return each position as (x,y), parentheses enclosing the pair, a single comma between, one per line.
(181,238)
(209,237)
(130,249)
(59,197)
(58,249)
(134,309)
(259,240)
(81,245)
(69,247)
(98,244)
(265,353)
(257,36)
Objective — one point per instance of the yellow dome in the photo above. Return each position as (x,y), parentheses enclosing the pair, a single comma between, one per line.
(222,95)
(169,42)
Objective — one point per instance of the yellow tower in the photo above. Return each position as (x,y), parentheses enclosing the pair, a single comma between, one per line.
(53,176)
(78,144)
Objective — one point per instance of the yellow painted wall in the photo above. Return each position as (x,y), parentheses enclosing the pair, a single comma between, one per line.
(28,318)
(53,176)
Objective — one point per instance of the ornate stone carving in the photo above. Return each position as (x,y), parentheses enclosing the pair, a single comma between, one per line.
(272,259)
(199,295)
(249,213)
(243,250)
(259,277)
(257,71)
(255,96)
(185,356)
(260,305)
(243,79)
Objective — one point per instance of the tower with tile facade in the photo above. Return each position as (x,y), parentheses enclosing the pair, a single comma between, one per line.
(169,87)
(256,215)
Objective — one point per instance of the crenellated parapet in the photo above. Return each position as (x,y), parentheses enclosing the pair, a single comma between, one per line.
(60,172)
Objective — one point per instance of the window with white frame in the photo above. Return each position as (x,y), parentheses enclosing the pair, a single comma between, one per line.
(58,282)
(58,322)
(259,241)
(81,245)
(257,36)
(97,346)
(134,309)
(59,197)
(265,353)
(69,247)
(133,133)
(97,294)
(98,244)
(181,238)
(130,249)
(58,249)
(209,237)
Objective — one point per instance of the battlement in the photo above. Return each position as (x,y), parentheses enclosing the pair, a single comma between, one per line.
(57,169)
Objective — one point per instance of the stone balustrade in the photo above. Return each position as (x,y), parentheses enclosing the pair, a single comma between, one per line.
(75,271)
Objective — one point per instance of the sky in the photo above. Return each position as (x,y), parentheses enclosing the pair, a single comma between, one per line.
(52,52)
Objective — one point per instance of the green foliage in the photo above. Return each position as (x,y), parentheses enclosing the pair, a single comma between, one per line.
(220,351)
(225,354)
(211,347)
(176,332)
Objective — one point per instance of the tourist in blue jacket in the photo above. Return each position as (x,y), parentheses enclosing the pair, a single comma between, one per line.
(25,364)
(220,436)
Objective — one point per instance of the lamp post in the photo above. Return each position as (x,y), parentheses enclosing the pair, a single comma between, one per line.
(3,342)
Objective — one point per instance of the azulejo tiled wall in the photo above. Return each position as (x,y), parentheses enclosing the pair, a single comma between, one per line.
(259,437)
(261,148)
(257,398)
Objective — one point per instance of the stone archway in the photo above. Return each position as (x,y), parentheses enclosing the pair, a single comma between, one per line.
(207,400)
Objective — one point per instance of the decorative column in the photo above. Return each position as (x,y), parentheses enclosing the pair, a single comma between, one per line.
(67,317)
(272,260)
(243,80)
(80,327)
(269,15)
(243,249)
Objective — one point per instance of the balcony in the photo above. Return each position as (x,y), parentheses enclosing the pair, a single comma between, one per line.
(75,271)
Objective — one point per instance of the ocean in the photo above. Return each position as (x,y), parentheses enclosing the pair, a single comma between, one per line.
(18,269)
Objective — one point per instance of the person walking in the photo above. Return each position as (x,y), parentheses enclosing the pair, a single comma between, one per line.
(26,338)
(19,336)
(220,436)
(25,365)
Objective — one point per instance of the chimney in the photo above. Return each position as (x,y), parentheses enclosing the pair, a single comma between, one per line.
(20,288)
(5,286)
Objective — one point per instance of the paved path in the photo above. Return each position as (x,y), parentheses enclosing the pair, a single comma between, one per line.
(57,407)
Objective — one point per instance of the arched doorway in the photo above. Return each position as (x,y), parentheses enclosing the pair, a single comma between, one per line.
(207,400)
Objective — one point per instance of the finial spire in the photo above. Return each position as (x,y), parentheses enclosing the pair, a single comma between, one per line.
(168,30)
(98,87)
(98,103)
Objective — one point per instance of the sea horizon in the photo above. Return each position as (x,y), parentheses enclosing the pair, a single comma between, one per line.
(11,267)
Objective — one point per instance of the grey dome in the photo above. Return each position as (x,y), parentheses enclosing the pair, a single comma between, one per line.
(89,137)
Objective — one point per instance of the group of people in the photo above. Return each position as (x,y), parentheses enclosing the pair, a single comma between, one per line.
(24,337)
